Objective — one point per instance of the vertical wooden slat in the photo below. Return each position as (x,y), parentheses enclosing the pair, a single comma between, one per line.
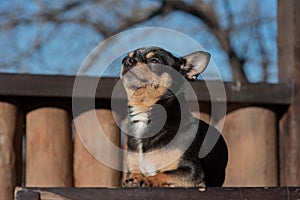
(10,132)
(289,71)
(251,137)
(286,39)
(48,148)
(88,170)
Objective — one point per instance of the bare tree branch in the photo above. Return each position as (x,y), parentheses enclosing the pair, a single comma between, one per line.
(201,10)
(206,13)
(127,23)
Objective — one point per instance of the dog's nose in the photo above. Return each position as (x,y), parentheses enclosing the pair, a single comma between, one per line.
(129,61)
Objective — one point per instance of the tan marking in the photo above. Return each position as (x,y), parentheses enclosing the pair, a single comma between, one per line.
(165,80)
(138,64)
(166,180)
(145,97)
(134,179)
(131,54)
(132,161)
(162,160)
(151,87)
(159,180)
(150,54)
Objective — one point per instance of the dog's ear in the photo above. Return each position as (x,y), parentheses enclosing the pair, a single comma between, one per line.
(195,64)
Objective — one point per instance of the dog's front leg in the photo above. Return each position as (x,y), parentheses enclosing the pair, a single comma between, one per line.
(160,180)
(135,179)
(174,178)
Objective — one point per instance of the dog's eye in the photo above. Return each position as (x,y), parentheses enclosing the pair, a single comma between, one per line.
(153,60)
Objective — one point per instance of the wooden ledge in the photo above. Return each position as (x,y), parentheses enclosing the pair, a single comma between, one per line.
(57,86)
(273,193)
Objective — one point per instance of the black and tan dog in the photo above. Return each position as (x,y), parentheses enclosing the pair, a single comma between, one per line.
(164,139)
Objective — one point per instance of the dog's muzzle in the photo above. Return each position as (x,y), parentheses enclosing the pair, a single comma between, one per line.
(128,64)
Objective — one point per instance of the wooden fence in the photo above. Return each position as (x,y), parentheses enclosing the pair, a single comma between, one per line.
(40,107)
(261,128)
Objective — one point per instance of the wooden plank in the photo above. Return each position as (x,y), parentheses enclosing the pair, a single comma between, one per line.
(27,195)
(9,132)
(285,40)
(62,86)
(49,148)
(289,67)
(251,136)
(260,93)
(283,193)
(53,85)
(89,171)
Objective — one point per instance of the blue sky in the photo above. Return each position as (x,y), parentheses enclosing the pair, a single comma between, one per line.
(71,43)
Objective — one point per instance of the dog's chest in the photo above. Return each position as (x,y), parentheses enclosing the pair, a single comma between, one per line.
(139,121)
(151,163)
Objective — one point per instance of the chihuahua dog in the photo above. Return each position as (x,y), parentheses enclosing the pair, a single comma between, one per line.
(164,139)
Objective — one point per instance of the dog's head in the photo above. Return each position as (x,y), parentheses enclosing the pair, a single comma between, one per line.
(147,73)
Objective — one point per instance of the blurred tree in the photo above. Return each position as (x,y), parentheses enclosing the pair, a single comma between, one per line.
(34,33)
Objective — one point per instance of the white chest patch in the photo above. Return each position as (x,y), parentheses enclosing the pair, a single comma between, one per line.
(139,122)
(145,167)
(150,163)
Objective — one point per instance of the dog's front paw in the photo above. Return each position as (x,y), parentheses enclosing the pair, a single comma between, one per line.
(134,180)
(159,180)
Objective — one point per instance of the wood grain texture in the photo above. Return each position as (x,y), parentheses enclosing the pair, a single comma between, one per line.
(251,137)
(286,39)
(48,148)
(289,68)
(27,195)
(283,193)
(24,85)
(89,148)
(10,134)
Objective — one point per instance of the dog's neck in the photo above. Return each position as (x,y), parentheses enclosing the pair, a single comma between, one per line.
(148,129)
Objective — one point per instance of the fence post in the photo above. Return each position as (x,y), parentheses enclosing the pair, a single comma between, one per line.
(11,123)
(251,137)
(289,71)
(48,148)
(88,170)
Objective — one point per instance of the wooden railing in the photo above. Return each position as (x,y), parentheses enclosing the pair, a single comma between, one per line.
(39,107)
(284,193)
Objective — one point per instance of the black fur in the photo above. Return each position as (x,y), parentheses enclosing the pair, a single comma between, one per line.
(212,167)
